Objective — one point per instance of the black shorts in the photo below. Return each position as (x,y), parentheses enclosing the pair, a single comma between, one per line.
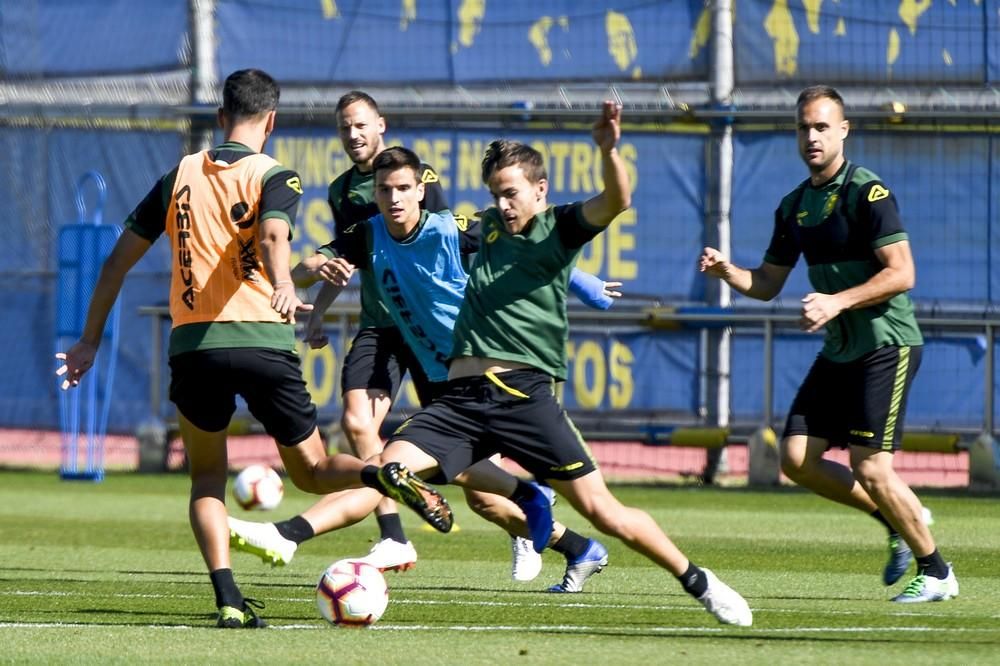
(378,359)
(204,385)
(513,413)
(859,403)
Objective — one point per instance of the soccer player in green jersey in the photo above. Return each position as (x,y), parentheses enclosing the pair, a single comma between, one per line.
(846,223)
(510,348)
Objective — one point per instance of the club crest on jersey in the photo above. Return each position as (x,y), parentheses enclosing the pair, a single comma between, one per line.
(877,193)
(492,235)
(829,205)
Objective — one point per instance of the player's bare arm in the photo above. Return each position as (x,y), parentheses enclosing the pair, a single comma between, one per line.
(79,358)
(328,293)
(762,283)
(306,272)
(275,251)
(897,276)
(602,209)
(336,271)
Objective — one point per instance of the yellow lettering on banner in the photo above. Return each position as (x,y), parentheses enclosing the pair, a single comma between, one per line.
(321,364)
(317,161)
(470,160)
(630,155)
(591,257)
(330,10)
(555,154)
(589,396)
(620,240)
(581,165)
(614,244)
(318,223)
(622,385)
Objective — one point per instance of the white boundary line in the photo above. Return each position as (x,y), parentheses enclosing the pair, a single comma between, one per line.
(517,604)
(570,628)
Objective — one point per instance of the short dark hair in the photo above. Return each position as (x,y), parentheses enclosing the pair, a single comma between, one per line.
(248,93)
(395,158)
(357,96)
(503,153)
(819,92)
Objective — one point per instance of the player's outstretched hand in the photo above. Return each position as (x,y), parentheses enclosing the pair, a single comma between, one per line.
(611,289)
(337,271)
(314,334)
(607,130)
(714,263)
(287,303)
(77,360)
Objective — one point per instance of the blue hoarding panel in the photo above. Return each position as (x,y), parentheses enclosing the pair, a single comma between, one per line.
(464,41)
(59,38)
(946,393)
(940,182)
(859,42)
(991,202)
(606,372)
(992,41)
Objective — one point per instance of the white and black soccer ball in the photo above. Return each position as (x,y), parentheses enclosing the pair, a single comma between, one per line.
(258,487)
(352,594)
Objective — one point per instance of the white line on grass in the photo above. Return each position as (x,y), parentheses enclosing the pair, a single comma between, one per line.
(525,629)
(509,604)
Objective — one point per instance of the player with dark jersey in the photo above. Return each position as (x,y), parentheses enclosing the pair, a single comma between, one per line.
(844,220)
(509,348)
(228,213)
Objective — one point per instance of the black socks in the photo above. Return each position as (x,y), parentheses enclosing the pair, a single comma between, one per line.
(932,565)
(571,544)
(390,527)
(295,529)
(226,592)
(694,581)
(369,477)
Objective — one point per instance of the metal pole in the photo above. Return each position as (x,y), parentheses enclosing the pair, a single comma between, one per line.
(204,74)
(155,353)
(717,222)
(988,402)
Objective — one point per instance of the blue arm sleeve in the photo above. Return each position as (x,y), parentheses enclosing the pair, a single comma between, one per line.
(589,289)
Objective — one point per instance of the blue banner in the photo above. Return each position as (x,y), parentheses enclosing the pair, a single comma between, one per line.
(865,42)
(947,392)
(944,185)
(91,37)
(464,41)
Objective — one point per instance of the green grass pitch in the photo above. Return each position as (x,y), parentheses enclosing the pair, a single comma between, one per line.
(106,573)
